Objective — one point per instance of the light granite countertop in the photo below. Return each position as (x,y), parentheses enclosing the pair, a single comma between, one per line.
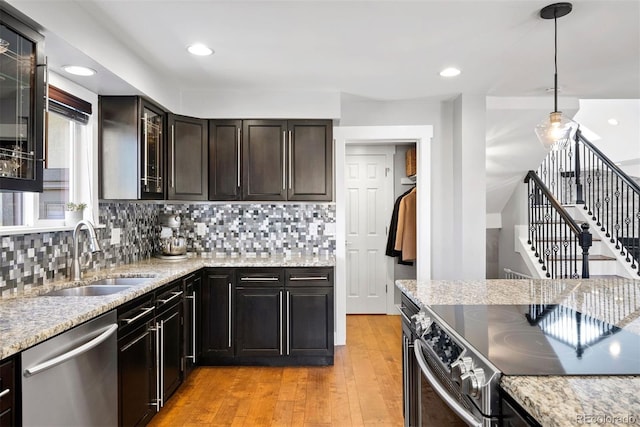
(557,401)
(29,317)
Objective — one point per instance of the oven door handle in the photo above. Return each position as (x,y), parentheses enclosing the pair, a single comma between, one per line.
(404,316)
(433,382)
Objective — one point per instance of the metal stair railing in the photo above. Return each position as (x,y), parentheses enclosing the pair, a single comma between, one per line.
(557,241)
(582,174)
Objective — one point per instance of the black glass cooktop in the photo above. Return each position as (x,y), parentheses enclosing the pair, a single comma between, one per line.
(545,339)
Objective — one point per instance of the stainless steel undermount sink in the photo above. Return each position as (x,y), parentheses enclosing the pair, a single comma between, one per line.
(101,287)
(121,281)
(87,291)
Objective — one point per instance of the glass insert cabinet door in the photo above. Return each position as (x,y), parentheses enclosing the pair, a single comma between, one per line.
(152,149)
(22,92)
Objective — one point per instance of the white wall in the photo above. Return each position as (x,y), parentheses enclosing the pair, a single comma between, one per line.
(223,104)
(469,186)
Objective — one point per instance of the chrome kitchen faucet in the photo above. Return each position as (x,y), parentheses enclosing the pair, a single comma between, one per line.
(94,245)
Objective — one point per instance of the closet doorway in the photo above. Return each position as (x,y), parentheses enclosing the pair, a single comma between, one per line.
(369,203)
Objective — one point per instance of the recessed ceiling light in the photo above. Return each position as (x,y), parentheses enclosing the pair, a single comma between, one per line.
(613,122)
(199,49)
(450,72)
(79,70)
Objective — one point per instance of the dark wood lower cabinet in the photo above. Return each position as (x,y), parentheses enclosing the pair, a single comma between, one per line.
(267,316)
(215,330)
(8,393)
(310,321)
(260,321)
(169,325)
(136,362)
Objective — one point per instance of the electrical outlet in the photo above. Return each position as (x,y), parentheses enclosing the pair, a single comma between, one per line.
(201,228)
(115,236)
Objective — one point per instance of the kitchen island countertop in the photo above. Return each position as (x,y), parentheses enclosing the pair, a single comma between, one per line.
(29,317)
(556,401)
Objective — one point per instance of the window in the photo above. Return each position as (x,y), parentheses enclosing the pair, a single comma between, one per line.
(66,172)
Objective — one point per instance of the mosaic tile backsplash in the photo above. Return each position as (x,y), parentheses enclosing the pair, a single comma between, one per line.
(220,229)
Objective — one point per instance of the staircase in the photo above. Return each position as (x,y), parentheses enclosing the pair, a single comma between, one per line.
(584,216)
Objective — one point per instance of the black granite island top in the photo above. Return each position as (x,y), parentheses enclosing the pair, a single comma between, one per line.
(29,317)
(556,400)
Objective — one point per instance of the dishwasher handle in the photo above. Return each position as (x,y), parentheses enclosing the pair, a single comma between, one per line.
(72,353)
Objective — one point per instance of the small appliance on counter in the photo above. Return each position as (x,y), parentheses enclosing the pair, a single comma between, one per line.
(172,246)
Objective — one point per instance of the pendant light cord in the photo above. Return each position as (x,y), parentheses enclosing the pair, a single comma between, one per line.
(555,62)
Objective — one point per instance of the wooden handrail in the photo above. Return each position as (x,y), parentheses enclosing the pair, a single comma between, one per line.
(531,175)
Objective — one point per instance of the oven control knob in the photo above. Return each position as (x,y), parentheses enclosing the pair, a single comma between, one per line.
(461,367)
(472,382)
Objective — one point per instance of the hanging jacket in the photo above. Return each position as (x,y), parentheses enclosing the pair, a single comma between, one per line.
(393,227)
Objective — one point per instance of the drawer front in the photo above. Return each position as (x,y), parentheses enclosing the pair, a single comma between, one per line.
(260,277)
(309,276)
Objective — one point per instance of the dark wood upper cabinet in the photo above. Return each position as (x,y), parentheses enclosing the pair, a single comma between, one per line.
(287,160)
(225,147)
(187,163)
(22,93)
(310,160)
(264,159)
(132,147)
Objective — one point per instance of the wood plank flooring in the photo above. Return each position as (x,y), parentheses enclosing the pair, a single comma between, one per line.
(362,388)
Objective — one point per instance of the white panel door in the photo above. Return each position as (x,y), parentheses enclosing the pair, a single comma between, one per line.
(366,239)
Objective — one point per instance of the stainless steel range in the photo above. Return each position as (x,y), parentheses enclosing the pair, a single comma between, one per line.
(462,351)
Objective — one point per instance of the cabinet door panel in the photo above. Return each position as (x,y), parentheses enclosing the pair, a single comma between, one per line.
(21,106)
(216,314)
(264,159)
(224,159)
(188,166)
(259,325)
(171,322)
(136,377)
(310,171)
(310,321)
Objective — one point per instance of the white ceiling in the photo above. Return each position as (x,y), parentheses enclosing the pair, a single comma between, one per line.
(381,50)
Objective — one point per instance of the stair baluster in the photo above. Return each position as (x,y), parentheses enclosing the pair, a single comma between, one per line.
(609,196)
(554,236)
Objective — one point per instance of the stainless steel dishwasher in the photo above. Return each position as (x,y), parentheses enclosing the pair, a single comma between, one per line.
(72,379)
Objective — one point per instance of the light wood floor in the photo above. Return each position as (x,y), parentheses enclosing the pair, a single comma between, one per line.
(362,388)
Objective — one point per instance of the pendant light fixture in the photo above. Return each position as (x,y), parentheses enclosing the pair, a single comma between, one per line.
(554,132)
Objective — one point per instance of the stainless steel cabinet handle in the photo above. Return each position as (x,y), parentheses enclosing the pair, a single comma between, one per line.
(288,322)
(438,388)
(146,149)
(142,314)
(159,365)
(193,327)
(284,159)
(281,323)
(259,279)
(173,156)
(229,310)
(72,353)
(5,392)
(175,295)
(126,347)
(239,145)
(290,166)
(307,278)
